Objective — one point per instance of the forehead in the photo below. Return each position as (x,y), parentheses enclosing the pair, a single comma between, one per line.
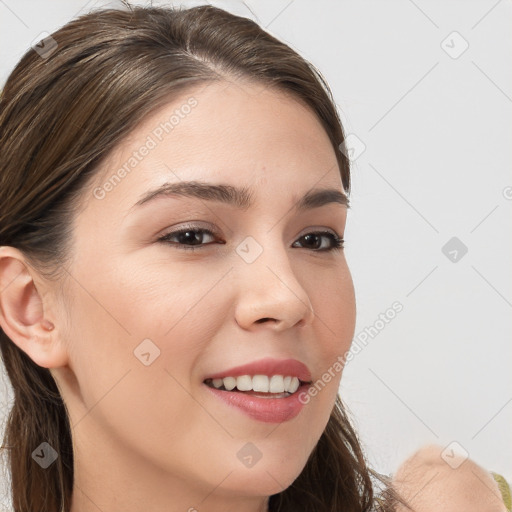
(246,134)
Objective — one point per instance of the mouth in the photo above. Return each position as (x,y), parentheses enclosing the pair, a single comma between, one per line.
(268,390)
(267,405)
(260,386)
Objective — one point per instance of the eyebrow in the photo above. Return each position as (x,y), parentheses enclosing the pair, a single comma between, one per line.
(240,198)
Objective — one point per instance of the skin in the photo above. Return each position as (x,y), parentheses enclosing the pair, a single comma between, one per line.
(152,437)
(430,484)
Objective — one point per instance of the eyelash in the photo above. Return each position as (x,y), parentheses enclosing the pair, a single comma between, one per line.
(338,243)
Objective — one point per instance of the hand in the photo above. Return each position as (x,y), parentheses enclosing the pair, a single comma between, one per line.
(429,484)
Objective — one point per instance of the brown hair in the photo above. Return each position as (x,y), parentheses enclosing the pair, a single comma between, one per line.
(60,115)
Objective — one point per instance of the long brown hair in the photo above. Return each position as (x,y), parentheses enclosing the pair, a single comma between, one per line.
(61,114)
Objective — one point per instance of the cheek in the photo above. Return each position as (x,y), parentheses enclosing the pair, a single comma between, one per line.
(164,296)
(117,328)
(150,326)
(333,300)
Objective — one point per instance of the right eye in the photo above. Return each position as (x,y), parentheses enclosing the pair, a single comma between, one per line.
(187,236)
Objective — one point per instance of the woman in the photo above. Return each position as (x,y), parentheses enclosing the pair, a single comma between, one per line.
(174,195)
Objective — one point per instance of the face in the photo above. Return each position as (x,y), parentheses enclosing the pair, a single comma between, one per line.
(150,319)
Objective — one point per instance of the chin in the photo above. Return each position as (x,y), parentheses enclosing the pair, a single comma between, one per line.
(262,482)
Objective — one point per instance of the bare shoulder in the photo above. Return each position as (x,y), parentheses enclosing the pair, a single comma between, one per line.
(431,483)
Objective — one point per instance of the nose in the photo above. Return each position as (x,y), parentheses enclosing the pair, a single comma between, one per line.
(269,292)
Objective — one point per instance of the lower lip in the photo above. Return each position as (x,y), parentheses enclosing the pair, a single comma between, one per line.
(268,410)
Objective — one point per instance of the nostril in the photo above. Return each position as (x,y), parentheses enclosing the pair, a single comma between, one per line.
(263,320)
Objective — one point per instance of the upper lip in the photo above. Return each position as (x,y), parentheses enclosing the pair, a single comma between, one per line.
(268,366)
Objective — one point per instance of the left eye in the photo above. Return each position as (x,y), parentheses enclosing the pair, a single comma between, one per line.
(188,239)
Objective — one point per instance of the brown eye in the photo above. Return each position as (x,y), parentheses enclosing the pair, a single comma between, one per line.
(314,241)
(187,238)
(191,238)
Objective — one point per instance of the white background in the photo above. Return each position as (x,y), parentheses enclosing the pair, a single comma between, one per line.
(437,133)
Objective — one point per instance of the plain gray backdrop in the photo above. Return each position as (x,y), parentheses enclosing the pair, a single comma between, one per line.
(425,93)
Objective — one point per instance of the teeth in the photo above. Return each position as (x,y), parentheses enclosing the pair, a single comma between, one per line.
(217,383)
(276,384)
(244,383)
(229,383)
(294,385)
(259,383)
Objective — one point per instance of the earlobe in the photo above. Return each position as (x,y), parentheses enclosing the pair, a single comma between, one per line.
(22,315)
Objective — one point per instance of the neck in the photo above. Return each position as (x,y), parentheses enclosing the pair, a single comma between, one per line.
(108,477)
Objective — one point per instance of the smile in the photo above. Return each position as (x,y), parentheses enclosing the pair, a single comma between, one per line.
(275,384)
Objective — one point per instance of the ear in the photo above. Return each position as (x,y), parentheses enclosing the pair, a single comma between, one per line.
(22,311)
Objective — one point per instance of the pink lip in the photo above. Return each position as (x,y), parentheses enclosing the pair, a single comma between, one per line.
(269,410)
(268,366)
